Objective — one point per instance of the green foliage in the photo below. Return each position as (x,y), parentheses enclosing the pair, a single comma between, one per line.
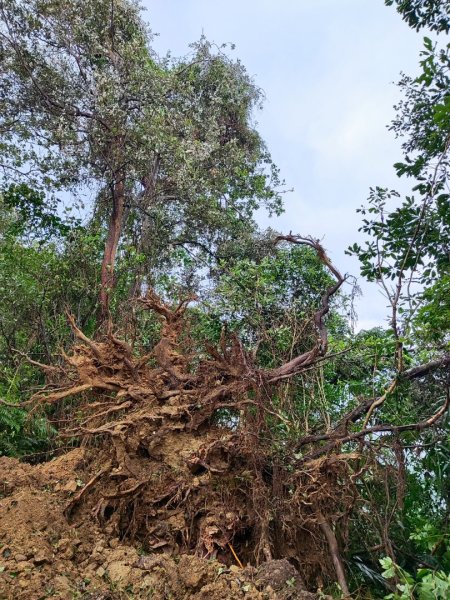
(39,281)
(423,119)
(426,585)
(21,434)
(432,322)
(266,300)
(408,249)
(34,214)
(433,14)
(407,253)
(178,131)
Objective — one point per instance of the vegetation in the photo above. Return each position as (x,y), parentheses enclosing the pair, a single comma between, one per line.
(162,317)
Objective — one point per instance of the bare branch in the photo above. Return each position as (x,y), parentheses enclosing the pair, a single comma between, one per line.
(337,439)
(308,358)
(425,369)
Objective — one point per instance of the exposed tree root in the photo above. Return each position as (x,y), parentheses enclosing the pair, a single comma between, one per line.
(185,459)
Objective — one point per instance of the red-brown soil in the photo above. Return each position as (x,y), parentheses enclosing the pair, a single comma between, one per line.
(43,555)
(180,480)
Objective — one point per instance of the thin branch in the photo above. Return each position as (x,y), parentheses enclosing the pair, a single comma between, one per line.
(339,439)
(422,370)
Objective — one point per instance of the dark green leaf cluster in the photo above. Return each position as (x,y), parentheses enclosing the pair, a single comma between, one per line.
(431,14)
(423,119)
(34,215)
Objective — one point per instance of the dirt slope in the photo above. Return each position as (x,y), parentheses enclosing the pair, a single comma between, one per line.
(43,555)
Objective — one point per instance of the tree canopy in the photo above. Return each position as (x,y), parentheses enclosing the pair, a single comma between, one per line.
(166,147)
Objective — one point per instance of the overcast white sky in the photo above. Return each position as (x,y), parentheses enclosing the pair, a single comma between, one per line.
(328,69)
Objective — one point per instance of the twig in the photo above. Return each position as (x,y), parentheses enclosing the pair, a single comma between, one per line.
(379,401)
(235,555)
(67,511)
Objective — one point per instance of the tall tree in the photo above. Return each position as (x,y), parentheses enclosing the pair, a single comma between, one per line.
(87,105)
(408,249)
(407,253)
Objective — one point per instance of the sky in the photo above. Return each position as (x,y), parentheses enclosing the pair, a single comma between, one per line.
(328,70)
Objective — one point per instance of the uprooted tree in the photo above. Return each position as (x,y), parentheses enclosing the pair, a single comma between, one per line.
(233,413)
(189,455)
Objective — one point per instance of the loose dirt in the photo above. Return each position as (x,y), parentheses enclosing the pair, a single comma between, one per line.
(45,554)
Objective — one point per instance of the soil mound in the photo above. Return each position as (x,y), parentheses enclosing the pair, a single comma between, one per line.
(181,480)
(43,554)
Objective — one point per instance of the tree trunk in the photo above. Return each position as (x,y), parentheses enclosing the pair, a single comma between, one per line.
(112,241)
(334,551)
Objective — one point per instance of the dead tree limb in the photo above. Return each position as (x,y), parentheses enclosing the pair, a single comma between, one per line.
(308,358)
(426,368)
(337,439)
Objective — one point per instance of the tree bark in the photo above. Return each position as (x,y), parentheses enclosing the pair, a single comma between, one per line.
(334,551)
(112,242)
(309,358)
(422,370)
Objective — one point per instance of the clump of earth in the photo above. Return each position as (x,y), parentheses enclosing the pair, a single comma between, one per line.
(45,554)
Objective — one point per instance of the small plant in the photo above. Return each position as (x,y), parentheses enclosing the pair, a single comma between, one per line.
(426,585)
